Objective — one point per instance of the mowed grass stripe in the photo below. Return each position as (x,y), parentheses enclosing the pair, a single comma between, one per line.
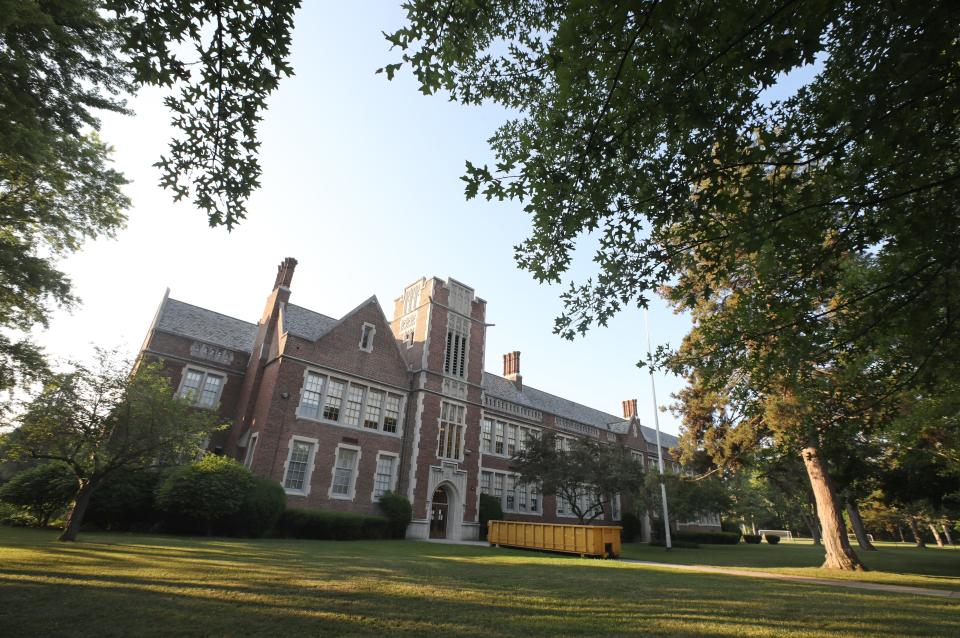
(121,585)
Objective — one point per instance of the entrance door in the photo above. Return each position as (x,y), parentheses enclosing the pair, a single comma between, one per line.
(438,514)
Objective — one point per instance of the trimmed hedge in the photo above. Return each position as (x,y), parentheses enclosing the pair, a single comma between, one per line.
(490,510)
(125,502)
(773,539)
(202,496)
(631,527)
(317,524)
(399,512)
(261,509)
(753,539)
(708,538)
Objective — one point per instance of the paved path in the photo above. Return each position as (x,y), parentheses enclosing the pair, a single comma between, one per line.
(812,580)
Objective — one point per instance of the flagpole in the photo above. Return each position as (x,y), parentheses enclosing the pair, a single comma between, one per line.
(656,422)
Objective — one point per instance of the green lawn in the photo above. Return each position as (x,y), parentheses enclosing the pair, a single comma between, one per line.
(893,563)
(133,585)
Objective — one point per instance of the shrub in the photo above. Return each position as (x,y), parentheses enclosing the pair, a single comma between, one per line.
(262,507)
(126,502)
(490,510)
(196,497)
(708,538)
(773,539)
(398,511)
(729,526)
(753,539)
(631,527)
(43,491)
(320,524)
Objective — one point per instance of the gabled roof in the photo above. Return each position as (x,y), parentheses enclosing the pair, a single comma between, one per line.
(187,320)
(305,323)
(545,402)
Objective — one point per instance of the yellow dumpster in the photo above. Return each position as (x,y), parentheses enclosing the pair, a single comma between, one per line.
(587,540)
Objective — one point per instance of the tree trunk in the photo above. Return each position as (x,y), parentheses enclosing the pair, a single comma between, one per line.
(855,521)
(900,530)
(77,512)
(917,538)
(812,526)
(946,533)
(936,535)
(839,554)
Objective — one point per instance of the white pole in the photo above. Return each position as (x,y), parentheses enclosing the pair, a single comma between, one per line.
(656,423)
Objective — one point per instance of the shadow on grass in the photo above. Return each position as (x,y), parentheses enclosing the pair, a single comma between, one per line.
(126,585)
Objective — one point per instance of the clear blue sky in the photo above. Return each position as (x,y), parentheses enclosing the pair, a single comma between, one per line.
(360,184)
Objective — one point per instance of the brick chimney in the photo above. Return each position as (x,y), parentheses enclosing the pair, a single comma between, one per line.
(285,273)
(511,368)
(629,409)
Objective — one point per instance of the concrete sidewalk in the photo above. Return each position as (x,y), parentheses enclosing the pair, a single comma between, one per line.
(810,580)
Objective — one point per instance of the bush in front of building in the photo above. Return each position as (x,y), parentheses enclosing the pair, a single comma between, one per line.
(199,497)
(630,523)
(398,511)
(490,510)
(42,492)
(772,539)
(752,539)
(262,508)
(318,524)
(126,502)
(708,538)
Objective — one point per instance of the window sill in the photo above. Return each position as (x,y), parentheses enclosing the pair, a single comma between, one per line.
(341,497)
(354,428)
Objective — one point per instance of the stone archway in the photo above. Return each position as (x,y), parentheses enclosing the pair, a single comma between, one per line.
(446,511)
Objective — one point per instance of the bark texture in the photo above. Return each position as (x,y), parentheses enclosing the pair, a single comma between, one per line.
(915,529)
(839,554)
(857,523)
(947,535)
(77,512)
(936,535)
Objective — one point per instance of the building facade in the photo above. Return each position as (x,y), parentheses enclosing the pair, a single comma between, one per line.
(342,410)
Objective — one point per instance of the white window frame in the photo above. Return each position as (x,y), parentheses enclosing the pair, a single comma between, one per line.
(348,383)
(251,449)
(373,334)
(393,478)
(311,463)
(205,372)
(356,471)
(499,477)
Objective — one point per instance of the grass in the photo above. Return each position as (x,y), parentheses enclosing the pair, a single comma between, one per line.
(123,585)
(893,563)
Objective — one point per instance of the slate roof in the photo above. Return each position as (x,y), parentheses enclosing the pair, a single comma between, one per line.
(305,323)
(191,321)
(546,402)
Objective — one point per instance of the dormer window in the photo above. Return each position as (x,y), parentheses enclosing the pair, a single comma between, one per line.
(366,337)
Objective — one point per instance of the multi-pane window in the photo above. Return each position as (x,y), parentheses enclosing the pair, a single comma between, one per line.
(505,439)
(485,480)
(511,493)
(513,496)
(486,436)
(371,418)
(298,465)
(312,393)
(344,472)
(351,412)
(201,387)
(455,356)
(331,409)
(563,443)
(350,404)
(452,424)
(366,337)
(391,414)
(638,457)
(383,479)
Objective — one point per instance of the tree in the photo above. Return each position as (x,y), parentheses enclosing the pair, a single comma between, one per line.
(688,498)
(207,490)
(800,231)
(101,420)
(587,477)
(62,65)
(44,490)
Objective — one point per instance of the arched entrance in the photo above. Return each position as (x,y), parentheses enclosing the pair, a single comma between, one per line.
(439,513)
